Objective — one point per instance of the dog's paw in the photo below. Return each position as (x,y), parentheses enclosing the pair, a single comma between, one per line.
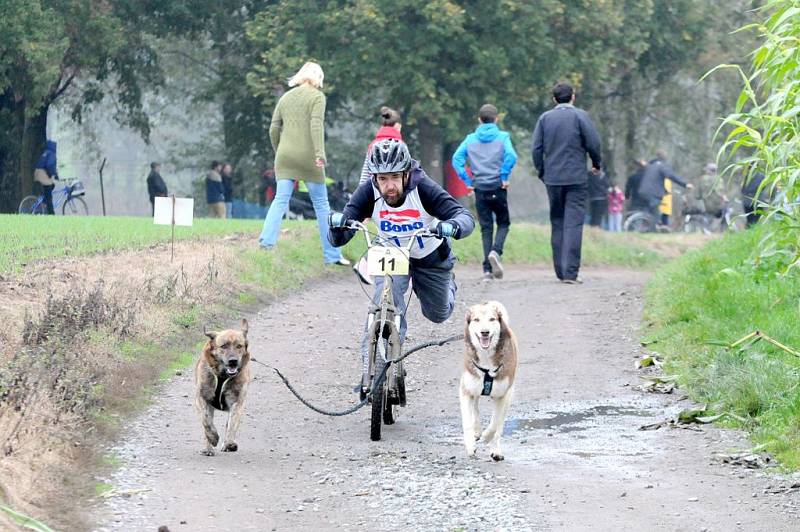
(231,447)
(478,435)
(471,452)
(207,452)
(213,438)
(497,456)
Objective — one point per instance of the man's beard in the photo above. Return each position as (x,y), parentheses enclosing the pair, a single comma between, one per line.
(393,203)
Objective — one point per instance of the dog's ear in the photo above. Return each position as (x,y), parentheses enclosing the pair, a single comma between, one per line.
(500,310)
(245,327)
(210,334)
(469,315)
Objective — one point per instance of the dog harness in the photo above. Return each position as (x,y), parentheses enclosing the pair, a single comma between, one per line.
(219,399)
(488,378)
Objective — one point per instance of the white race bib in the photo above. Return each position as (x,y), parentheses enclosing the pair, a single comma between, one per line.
(386,261)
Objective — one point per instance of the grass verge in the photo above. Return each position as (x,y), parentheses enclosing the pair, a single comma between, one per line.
(24,239)
(718,295)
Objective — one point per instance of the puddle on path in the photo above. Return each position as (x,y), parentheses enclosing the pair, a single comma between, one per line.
(570,421)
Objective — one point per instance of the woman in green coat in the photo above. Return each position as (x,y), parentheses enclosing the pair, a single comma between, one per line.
(298,138)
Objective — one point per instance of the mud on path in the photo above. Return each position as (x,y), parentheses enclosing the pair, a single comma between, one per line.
(575,459)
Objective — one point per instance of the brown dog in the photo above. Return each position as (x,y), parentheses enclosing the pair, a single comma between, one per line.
(490,366)
(221,377)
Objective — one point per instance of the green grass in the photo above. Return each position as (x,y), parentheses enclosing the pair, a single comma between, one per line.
(530,244)
(101,488)
(720,294)
(30,238)
(25,521)
(188,317)
(182,361)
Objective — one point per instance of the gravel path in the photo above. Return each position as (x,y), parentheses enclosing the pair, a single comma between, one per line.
(575,459)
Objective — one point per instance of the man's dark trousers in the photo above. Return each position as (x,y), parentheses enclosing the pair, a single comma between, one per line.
(567,213)
(492,205)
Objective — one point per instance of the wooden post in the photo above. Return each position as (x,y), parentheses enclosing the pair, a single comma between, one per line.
(172,256)
(102,191)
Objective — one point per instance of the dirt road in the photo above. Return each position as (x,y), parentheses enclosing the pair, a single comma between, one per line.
(575,459)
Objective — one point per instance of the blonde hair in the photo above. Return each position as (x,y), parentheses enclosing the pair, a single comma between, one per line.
(310,72)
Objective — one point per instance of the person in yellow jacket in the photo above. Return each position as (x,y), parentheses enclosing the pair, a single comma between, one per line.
(666,203)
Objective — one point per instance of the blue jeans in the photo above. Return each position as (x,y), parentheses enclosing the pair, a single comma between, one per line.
(318,193)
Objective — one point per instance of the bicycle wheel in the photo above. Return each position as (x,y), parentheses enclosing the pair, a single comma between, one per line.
(378,398)
(74,206)
(390,397)
(31,205)
(639,222)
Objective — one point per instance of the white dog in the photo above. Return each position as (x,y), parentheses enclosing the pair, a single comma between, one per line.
(490,364)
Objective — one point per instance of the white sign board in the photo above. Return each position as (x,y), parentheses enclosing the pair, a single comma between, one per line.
(183,215)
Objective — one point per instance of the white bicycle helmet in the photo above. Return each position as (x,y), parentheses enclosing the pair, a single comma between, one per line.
(388,156)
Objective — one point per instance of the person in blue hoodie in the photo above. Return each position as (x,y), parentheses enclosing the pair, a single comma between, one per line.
(491,158)
(45,172)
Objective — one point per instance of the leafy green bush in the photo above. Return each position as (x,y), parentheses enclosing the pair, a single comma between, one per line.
(763,129)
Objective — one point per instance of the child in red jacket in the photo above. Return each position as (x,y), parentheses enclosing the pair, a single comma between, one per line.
(616,202)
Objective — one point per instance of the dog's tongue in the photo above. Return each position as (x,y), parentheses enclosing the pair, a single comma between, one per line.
(232,371)
(485,341)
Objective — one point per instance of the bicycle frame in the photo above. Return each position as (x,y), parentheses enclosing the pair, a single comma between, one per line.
(384,343)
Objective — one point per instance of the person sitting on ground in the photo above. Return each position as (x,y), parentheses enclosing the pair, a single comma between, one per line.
(491,158)
(401,198)
(156,187)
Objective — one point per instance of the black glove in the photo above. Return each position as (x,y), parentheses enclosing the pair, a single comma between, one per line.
(446,229)
(337,220)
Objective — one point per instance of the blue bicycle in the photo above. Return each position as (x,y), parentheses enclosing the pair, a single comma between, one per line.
(68,198)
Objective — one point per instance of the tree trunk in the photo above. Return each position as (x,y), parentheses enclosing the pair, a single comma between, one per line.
(33,137)
(20,145)
(431,151)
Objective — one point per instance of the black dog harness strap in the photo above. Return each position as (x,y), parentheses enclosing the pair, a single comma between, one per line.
(488,378)
(219,400)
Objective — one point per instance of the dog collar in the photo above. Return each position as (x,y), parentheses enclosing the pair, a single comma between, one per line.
(488,378)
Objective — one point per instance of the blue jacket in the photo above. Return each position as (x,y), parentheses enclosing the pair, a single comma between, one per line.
(491,157)
(47,160)
(215,190)
(561,140)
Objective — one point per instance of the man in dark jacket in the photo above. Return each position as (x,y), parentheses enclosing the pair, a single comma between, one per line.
(651,186)
(753,199)
(45,172)
(491,159)
(598,197)
(156,188)
(632,185)
(561,140)
(401,198)
(215,192)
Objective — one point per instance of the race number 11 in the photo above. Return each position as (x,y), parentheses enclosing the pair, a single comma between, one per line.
(386,261)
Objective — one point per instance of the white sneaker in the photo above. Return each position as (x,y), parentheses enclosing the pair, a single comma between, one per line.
(497,266)
(341,262)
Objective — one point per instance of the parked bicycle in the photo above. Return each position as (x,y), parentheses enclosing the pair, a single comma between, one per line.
(643,222)
(69,198)
(384,388)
